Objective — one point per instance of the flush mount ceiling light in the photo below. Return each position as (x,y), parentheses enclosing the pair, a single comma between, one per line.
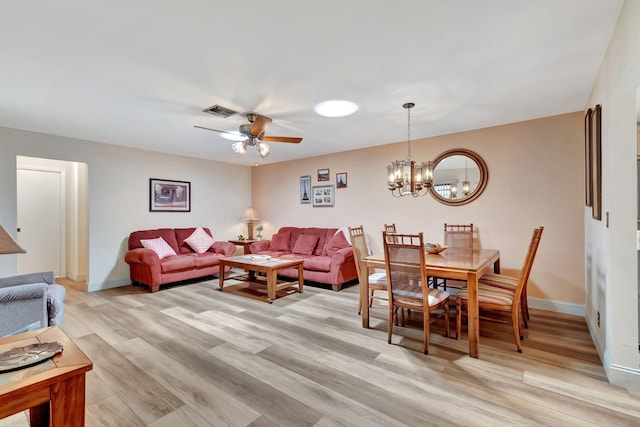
(336,108)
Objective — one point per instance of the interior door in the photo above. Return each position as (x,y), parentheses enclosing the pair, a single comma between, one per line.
(41,221)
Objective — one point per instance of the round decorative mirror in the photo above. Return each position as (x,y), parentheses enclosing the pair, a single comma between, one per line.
(459,177)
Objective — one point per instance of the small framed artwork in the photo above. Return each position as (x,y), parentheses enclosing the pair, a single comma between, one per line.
(596,164)
(588,157)
(305,189)
(169,196)
(323,195)
(323,174)
(341,180)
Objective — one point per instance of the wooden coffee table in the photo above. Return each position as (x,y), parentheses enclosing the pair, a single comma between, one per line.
(268,268)
(54,390)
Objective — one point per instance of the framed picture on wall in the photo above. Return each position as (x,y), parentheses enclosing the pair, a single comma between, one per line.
(588,134)
(596,164)
(169,196)
(323,196)
(341,180)
(323,174)
(305,189)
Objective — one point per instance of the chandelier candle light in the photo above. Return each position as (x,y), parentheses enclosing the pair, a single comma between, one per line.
(407,176)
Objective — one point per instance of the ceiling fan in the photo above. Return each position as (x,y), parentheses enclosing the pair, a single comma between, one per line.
(254,134)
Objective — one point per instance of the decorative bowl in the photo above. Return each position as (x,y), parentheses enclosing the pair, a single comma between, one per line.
(435,250)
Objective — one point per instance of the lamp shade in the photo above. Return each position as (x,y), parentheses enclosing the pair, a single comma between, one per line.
(249,214)
(8,245)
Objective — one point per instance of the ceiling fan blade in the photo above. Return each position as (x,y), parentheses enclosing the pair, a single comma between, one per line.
(259,125)
(289,139)
(215,130)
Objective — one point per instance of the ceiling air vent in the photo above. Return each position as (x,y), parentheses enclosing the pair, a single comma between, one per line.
(220,111)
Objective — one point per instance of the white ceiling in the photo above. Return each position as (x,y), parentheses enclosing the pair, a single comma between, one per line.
(138,73)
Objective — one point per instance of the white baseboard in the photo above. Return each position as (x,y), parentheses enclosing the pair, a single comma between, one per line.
(623,376)
(93,287)
(557,306)
(77,277)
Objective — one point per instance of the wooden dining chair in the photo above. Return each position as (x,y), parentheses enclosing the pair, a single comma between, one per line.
(407,282)
(455,236)
(377,280)
(458,235)
(500,299)
(390,228)
(511,282)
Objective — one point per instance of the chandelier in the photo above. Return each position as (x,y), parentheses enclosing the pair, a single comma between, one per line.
(240,147)
(466,184)
(406,177)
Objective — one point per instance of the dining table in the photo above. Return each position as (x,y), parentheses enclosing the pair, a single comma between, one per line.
(463,264)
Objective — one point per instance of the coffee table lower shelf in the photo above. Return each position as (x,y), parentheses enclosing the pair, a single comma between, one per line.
(269,269)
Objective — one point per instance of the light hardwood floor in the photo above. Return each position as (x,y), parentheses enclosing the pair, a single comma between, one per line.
(190,355)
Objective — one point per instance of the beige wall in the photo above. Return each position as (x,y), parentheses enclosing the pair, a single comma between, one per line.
(118,192)
(535,178)
(610,252)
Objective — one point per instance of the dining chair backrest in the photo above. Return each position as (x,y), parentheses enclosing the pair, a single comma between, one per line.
(390,228)
(458,235)
(404,256)
(360,249)
(528,263)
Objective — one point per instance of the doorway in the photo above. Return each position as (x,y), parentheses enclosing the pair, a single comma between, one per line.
(52,216)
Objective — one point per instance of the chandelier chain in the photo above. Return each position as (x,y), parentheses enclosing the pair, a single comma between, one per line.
(409,132)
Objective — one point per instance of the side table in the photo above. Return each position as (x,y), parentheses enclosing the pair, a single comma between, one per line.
(54,391)
(244,243)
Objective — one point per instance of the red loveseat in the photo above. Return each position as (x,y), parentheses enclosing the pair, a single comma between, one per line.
(147,268)
(328,257)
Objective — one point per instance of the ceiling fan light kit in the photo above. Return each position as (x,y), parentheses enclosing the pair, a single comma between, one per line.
(252,135)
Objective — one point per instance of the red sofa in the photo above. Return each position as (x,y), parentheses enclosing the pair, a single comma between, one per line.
(328,257)
(147,268)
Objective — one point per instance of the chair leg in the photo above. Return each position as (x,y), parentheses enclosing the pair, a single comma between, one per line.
(371,298)
(391,320)
(447,326)
(515,319)
(458,317)
(427,322)
(524,308)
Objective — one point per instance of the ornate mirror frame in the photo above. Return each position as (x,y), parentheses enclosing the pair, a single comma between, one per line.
(482,183)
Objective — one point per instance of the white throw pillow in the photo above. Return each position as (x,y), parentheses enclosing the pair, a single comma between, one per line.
(199,240)
(159,246)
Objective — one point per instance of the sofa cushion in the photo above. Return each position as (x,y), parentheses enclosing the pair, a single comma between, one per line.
(178,262)
(305,244)
(159,246)
(317,263)
(207,259)
(199,240)
(167,234)
(182,234)
(280,242)
(316,231)
(336,243)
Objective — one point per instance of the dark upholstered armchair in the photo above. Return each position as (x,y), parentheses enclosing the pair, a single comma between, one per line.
(30,301)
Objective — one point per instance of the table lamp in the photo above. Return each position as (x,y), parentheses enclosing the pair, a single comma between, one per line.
(8,245)
(249,215)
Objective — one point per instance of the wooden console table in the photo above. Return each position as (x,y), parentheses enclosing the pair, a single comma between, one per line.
(54,390)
